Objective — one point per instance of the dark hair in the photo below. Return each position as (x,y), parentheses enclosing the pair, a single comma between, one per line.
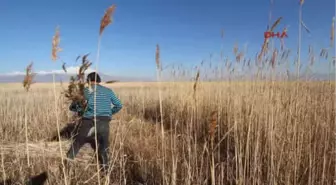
(92,76)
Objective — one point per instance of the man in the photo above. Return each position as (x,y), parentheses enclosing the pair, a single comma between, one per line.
(86,132)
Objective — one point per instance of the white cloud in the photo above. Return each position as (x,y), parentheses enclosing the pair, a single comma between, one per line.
(70,70)
(14,73)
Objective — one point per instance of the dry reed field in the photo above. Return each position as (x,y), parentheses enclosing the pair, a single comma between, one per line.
(229,132)
(204,126)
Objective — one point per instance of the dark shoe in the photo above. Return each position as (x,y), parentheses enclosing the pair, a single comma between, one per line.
(38,179)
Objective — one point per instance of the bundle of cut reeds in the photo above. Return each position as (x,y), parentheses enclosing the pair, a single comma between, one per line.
(75,91)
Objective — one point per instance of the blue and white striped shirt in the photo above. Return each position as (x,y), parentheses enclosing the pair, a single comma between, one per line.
(104,98)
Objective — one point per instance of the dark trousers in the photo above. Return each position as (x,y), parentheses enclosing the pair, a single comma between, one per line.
(86,134)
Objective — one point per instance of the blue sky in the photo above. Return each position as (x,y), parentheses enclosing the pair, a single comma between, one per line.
(187,31)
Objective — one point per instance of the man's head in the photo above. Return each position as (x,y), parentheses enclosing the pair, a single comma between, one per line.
(91,78)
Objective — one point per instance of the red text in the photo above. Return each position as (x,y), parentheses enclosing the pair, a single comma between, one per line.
(269,34)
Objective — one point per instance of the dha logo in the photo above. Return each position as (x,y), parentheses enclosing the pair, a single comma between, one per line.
(270,34)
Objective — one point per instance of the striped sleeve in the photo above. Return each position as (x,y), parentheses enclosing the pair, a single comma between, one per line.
(117,106)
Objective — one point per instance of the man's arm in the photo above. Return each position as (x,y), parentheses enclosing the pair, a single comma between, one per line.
(117,105)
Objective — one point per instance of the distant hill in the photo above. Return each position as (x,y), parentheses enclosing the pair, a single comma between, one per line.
(44,77)
(14,78)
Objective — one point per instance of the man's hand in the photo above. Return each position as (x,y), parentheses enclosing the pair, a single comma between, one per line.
(76,107)
(117,105)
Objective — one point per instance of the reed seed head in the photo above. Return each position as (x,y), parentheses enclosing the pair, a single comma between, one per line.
(106,20)
(55,45)
(75,91)
(332,33)
(28,79)
(157,57)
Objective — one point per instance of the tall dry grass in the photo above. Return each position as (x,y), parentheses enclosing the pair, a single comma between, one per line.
(265,133)
(224,132)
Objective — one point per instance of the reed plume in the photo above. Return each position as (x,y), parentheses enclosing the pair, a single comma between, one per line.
(106,20)
(28,79)
(55,45)
(157,57)
(332,33)
(75,91)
